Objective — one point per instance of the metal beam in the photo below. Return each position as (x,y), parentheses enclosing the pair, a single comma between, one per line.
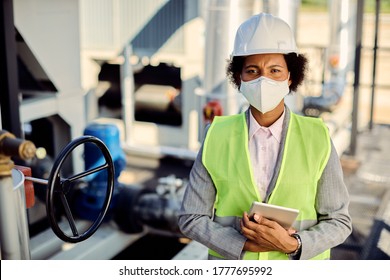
(9,85)
(356,83)
(377,10)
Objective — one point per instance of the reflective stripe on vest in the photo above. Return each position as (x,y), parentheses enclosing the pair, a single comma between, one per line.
(226,158)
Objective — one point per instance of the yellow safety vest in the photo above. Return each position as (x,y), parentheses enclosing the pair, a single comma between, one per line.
(226,158)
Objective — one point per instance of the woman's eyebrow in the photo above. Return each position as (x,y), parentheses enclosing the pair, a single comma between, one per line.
(252,66)
(269,66)
(275,65)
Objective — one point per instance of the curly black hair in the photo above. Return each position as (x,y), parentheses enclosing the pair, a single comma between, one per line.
(296,64)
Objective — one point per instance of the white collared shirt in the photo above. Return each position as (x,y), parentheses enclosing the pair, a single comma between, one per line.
(264,144)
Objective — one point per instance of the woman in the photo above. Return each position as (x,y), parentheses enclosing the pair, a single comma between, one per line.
(266,154)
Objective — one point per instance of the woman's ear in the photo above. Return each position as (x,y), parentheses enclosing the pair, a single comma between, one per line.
(237,78)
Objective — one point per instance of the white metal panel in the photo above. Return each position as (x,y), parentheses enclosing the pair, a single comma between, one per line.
(51,30)
(109,25)
(96,24)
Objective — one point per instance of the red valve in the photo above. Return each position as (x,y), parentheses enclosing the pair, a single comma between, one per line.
(28,186)
(211,109)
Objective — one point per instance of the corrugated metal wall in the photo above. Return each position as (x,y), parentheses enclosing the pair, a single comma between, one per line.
(148,24)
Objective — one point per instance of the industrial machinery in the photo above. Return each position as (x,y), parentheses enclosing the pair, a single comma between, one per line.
(58,187)
(338,58)
(84,200)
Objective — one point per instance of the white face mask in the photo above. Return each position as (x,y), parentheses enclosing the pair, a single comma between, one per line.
(264,93)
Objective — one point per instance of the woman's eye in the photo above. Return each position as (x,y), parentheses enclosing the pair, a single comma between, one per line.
(251,71)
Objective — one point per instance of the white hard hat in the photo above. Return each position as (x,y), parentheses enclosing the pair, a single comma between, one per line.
(264,33)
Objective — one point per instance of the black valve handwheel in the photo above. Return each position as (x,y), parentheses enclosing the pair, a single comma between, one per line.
(57,188)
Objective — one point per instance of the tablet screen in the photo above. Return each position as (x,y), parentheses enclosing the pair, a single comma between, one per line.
(282,215)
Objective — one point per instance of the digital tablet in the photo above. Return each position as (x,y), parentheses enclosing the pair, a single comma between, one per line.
(282,215)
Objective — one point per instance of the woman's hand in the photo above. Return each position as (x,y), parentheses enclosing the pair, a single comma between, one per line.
(265,235)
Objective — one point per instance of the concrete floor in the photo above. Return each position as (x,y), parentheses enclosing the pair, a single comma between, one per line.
(368,180)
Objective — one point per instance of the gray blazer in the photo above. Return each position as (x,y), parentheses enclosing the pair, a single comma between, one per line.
(334,222)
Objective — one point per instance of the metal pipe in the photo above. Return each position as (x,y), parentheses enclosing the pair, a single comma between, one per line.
(355,105)
(21,213)
(222,20)
(377,9)
(36,180)
(14,235)
(13,226)
(127,88)
(10,249)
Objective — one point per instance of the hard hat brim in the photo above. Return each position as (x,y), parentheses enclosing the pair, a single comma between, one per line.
(263,51)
